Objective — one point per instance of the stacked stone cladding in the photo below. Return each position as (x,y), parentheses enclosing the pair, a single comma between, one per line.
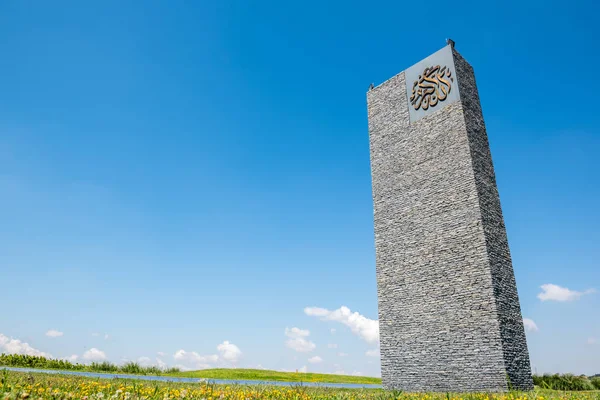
(449,314)
(514,342)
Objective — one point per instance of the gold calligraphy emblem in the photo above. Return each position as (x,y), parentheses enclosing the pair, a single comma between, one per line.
(431,87)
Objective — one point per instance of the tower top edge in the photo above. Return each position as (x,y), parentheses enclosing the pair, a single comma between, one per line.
(449,44)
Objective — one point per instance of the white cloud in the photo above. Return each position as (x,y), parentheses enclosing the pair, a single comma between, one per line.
(54,333)
(343,354)
(366,328)
(340,372)
(94,354)
(356,373)
(73,358)
(316,312)
(15,346)
(303,369)
(557,293)
(530,326)
(297,332)
(229,351)
(195,359)
(147,362)
(297,340)
(106,335)
(161,354)
(591,340)
(333,331)
(315,360)
(372,353)
(332,346)
(182,367)
(144,361)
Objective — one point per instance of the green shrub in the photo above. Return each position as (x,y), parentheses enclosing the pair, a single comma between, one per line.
(563,382)
(104,366)
(595,382)
(132,368)
(152,370)
(25,361)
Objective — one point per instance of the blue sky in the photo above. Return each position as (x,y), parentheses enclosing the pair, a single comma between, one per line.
(194,176)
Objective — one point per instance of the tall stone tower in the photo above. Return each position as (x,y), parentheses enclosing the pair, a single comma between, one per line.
(449,313)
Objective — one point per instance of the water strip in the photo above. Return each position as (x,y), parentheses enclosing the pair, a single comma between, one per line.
(195,380)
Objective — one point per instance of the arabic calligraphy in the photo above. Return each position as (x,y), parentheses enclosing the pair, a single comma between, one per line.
(431,87)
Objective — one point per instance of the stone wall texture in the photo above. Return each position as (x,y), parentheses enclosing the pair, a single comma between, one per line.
(449,312)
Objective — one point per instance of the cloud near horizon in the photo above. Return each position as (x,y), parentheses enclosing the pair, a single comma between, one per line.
(195,359)
(94,354)
(228,353)
(15,346)
(530,325)
(556,293)
(147,362)
(54,333)
(72,358)
(297,340)
(366,328)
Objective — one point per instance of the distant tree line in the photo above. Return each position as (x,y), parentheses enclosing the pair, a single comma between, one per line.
(567,382)
(26,361)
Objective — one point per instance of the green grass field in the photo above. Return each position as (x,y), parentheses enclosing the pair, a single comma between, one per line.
(267,375)
(553,382)
(39,386)
(25,361)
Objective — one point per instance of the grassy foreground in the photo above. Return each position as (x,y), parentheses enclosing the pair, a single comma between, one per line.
(267,375)
(25,361)
(565,382)
(23,386)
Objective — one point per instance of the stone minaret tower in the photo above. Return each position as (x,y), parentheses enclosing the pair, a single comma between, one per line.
(449,312)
